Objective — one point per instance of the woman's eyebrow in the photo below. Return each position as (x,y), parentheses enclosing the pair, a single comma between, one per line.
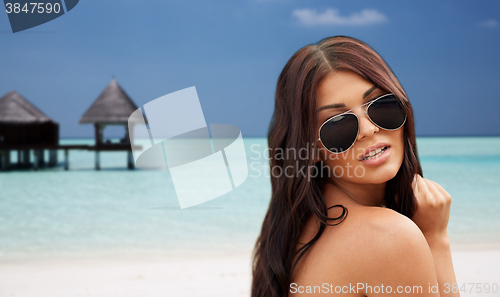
(341,104)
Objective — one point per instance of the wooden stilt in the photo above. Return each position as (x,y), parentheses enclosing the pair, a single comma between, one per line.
(25,162)
(8,159)
(66,160)
(41,158)
(97,161)
(130,160)
(52,158)
(4,159)
(35,159)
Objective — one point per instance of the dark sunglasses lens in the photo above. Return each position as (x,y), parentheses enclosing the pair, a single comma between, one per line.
(339,133)
(387,112)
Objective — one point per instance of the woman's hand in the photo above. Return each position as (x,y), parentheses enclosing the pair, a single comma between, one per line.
(433,209)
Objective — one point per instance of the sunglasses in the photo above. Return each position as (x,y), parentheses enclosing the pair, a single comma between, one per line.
(338,133)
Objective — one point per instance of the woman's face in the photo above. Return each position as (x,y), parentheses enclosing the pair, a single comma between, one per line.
(345,90)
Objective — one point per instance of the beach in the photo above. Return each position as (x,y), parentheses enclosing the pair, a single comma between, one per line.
(223,275)
(479,267)
(145,276)
(119,232)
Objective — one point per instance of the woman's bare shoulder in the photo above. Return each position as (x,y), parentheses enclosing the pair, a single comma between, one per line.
(378,221)
(374,237)
(375,221)
(375,227)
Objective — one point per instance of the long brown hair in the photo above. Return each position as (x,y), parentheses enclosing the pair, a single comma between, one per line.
(293,125)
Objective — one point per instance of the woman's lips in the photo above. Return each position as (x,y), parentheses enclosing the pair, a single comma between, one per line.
(378,158)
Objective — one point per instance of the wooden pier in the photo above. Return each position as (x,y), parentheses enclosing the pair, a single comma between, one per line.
(24,156)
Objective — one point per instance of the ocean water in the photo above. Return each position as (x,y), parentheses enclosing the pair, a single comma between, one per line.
(53,212)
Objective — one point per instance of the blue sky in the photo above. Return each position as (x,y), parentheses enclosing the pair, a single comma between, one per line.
(446,54)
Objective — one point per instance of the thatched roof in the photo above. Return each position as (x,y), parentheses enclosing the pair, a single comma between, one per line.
(112,106)
(14,108)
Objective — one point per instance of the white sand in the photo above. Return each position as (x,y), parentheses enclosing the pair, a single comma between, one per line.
(480,267)
(169,276)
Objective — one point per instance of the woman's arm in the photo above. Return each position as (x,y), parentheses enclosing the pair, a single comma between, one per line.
(432,218)
(440,248)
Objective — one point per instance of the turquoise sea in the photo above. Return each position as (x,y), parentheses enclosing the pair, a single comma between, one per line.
(53,212)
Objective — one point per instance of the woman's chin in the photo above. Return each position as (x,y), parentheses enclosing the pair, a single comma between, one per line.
(381,175)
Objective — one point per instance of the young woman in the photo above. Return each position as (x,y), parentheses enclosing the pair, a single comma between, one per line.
(354,217)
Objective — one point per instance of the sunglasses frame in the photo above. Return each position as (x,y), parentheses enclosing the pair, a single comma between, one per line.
(369,103)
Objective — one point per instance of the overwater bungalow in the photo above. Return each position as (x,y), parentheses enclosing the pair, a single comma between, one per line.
(23,127)
(112,107)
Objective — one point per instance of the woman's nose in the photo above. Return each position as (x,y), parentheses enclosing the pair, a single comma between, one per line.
(366,127)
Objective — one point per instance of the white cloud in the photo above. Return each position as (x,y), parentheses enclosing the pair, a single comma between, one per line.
(331,16)
(489,23)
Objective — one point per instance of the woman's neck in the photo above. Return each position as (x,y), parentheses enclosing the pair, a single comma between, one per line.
(363,194)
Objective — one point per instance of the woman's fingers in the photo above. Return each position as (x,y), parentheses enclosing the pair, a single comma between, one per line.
(429,191)
(423,189)
(434,194)
(445,196)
